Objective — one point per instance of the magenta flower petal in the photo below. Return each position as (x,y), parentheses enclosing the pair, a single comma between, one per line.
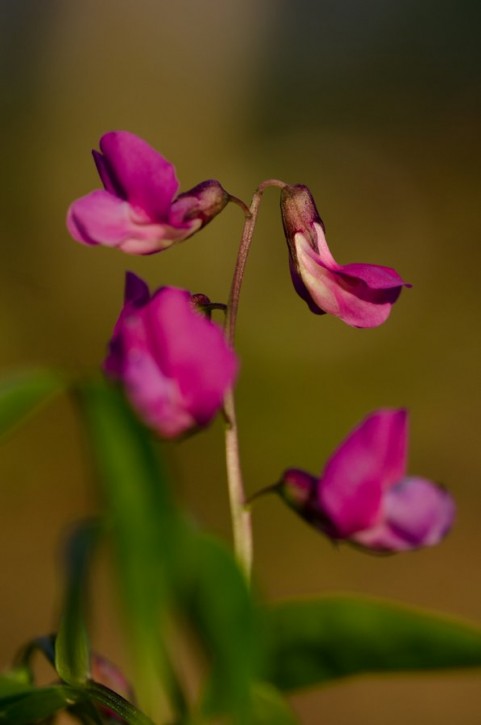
(136,292)
(106,174)
(195,352)
(146,178)
(361,295)
(372,458)
(174,363)
(364,496)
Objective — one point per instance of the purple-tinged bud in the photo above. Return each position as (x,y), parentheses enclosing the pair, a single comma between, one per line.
(299,214)
(299,491)
(297,488)
(200,204)
(106,673)
(361,295)
(200,302)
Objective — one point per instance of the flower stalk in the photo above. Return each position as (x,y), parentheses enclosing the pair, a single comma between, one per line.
(240,513)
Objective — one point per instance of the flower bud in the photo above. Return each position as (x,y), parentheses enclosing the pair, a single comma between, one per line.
(201,204)
(106,673)
(299,214)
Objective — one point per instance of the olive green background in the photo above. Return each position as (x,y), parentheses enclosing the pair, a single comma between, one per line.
(376,105)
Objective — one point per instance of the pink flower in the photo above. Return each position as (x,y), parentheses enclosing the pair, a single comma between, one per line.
(364,495)
(173,362)
(136,210)
(359,294)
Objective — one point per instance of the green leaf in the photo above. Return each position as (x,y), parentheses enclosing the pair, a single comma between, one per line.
(144,524)
(270,708)
(37,705)
(313,642)
(22,393)
(72,650)
(111,700)
(15,682)
(164,562)
(219,607)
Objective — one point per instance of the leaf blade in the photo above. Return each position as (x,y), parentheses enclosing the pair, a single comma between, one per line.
(37,704)
(22,393)
(143,523)
(314,642)
(72,648)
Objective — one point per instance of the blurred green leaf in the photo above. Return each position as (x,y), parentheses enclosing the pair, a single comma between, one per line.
(22,393)
(144,524)
(111,700)
(164,561)
(270,708)
(312,642)
(15,682)
(219,606)
(37,705)
(72,650)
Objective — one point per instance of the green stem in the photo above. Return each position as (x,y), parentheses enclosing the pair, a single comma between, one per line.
(241,517)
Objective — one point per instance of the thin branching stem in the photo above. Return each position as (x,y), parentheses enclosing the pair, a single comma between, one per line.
(241,516)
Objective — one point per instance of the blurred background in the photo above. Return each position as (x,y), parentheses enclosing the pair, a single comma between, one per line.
(377,107)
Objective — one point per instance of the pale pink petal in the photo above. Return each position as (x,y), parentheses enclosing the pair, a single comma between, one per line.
(416,513)
(146,178)
(100,218)
(369,461)
(104,219)
(156,397)
(341,293)
(163,236)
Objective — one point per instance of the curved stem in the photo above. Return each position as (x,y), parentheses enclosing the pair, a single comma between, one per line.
(241,516)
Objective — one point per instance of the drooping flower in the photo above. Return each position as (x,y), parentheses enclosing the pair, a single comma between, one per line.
(137,211)
(173,362)
(361,295)
(364,495)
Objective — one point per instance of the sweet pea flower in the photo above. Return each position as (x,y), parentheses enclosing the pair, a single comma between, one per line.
(359,294)
(137,211)
(173,362)
(364,495)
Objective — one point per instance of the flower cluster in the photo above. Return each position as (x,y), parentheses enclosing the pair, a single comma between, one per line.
(177,367)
